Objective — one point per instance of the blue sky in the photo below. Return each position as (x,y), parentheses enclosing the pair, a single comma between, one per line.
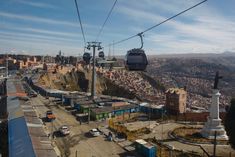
(47,26)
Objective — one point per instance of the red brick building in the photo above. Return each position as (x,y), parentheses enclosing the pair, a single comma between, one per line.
(176,100)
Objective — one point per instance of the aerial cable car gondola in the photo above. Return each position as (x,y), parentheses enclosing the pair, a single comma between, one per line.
(86,57)
(136,59)
(101,54)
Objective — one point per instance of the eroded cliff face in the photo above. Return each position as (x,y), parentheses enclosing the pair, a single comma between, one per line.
(80,80)
(110,88)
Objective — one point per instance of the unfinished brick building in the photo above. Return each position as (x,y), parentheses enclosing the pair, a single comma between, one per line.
(176,100)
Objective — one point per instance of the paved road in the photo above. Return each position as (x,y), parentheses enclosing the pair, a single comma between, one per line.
(79,139)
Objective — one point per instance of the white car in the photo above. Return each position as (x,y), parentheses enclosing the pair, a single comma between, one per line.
(95,132)
(64,130)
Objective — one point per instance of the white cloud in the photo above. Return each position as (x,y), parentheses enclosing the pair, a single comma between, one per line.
(138,15)
(37,4)
(15,35)
(34,47)
(37,19)
(201,30)
(43,20)
(39,31)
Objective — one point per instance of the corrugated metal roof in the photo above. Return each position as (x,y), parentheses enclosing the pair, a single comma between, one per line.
(20,144)
(13,104)
(26,135)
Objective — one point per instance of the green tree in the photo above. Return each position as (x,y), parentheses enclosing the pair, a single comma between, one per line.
(230,123)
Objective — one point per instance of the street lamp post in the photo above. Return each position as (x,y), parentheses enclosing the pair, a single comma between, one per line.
(150,112)
(161,132)
(215,143)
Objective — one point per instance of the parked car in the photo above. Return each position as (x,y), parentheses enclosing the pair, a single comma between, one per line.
(32,94)
(50,116)
(95,132)
(25,98)
(64,130)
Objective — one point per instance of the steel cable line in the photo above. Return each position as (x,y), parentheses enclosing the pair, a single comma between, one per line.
(97,37)
(80,21)
(168,19)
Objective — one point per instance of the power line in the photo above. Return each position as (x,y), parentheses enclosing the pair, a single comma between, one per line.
(174,16)
(80,21)
(106,20)
(168,19)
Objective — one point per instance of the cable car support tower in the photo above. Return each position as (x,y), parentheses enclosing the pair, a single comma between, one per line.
(93,45)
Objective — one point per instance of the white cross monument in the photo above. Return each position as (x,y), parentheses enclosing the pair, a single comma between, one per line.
(213,123)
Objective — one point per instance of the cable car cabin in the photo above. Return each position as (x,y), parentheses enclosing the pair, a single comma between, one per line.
(136,60)
(101,54)
(87,57)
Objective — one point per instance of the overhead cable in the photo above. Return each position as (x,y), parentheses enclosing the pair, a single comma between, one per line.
(102,27)
(80,21)
(168,19)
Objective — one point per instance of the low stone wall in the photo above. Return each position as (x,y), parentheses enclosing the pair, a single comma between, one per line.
(197,117)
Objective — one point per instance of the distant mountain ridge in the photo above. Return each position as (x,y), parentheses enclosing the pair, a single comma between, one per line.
(195,55)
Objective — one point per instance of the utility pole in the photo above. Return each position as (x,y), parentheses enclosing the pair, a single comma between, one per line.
(6,65)
(215,142)
(89,114)
(149,116)
(93,45)
(161,134)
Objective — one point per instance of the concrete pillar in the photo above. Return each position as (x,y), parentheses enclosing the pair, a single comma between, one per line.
(214,108)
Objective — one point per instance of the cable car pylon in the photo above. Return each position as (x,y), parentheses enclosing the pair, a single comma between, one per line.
(93,45)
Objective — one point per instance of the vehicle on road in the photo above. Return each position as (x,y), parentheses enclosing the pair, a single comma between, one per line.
(50,116)
(32,94)
(95,132)
(25,98)
(64,130)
